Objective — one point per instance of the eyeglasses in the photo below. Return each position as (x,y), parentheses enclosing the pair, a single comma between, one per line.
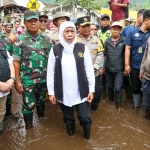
(41,21)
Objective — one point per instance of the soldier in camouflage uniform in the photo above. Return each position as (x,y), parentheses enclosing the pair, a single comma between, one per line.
(8,43)
(30,55)
(58,19)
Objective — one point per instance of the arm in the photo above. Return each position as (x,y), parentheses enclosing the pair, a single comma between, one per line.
(17,58)
(89,73)
(18,84)
(142,64)
(50,77)
(127,60)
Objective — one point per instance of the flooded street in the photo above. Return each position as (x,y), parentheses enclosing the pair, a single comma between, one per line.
(111,130)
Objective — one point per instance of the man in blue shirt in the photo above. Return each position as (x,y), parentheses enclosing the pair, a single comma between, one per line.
(134,50)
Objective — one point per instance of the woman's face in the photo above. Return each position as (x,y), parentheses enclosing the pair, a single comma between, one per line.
(54,27)
(69,34)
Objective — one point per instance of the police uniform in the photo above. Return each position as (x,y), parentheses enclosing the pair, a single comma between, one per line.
(32,53)
(96,51)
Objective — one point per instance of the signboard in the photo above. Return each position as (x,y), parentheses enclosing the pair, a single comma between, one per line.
(33,5)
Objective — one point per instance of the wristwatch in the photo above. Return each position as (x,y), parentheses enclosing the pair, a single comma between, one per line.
(13,79)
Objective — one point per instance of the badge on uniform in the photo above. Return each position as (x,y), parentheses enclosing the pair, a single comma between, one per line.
(80,54)
(140,50)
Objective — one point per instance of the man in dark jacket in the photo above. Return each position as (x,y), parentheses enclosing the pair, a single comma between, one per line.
(114,66)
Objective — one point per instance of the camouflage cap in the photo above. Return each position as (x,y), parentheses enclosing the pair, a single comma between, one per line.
(30,15)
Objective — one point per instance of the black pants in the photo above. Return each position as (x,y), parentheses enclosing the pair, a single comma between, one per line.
(114,80)
(83,114)
(98,90)
(135,80)
(126,81)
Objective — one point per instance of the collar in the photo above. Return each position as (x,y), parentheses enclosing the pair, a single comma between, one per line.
(81,36)
(27,34)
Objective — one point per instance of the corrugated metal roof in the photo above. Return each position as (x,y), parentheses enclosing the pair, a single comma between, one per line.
(8,2)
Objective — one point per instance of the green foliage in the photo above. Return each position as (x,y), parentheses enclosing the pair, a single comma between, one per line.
(88,4)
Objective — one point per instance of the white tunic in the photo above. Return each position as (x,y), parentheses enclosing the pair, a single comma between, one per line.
(71,93)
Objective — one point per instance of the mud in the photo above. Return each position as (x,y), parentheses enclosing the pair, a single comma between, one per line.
(111,129)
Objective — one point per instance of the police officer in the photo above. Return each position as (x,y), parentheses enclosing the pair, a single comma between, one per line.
(103,34)
(96,51)
(43,19)
(30,54)
(58,19)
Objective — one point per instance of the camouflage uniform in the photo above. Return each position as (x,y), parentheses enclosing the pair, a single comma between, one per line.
(33,57)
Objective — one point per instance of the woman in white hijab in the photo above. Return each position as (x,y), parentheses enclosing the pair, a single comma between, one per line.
(70,79)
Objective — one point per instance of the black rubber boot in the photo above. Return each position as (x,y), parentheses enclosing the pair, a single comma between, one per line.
(28,119)
(40,110)
(111,94)
(94,106)
(147,116)
(8,110)
(71,129)
(118,99)
(87,131)
(128,91)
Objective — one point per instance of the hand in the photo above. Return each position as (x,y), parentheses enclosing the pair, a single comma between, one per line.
(4,87)
(127,70)
(19,87)
(10,82)
(101,71)
(52,99)
(90,97)
(141,77)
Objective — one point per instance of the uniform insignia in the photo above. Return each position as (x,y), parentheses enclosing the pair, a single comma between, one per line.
(85,19)
(95,52)
(107,34)
(136,34)
(80,54)
(79,40)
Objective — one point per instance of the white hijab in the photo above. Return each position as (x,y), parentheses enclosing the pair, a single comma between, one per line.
(68,48)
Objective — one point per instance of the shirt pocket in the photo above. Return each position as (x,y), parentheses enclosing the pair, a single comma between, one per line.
(137,42)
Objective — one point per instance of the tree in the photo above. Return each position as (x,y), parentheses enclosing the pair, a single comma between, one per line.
(88,4)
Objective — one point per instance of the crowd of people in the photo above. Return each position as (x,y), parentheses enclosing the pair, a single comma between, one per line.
(76,63)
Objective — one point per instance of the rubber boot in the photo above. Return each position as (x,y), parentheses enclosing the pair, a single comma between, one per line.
(111,94)
(8,110)
(118,99)
(147,116)
(28,119)
(128,91)
(71,129)
(136,100)
(1,126)
(94,106)
(40,110)
(87,131)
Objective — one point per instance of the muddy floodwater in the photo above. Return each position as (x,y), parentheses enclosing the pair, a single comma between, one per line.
(111,129)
